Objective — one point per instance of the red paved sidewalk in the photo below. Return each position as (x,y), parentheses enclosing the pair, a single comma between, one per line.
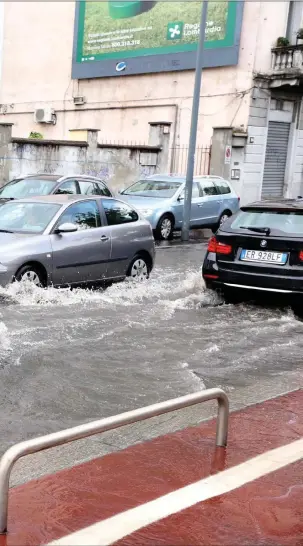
(267,511)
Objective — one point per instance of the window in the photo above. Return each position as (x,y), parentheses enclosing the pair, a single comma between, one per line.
(279,222)
(153,188)
(28,187)
(222,186)
(88,187)
(118,213)
(102,189)
(197,192)
(208,187)
(69,187)
(19,217)
(85,214)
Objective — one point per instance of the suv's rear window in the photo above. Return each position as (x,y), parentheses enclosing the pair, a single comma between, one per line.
(279,222)
(222,186)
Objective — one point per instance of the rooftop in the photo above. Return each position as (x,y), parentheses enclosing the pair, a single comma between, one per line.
(59,199)
(274,204)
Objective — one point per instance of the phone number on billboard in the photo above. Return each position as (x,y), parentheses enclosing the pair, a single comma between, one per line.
(128,43)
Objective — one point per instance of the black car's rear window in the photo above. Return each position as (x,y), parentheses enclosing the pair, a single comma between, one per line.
(289,223)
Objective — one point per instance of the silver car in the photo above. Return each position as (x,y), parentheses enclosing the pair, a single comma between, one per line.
(47,184)
(70,240)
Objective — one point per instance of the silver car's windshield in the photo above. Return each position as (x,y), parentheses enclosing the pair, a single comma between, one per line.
(18,217)
(153,188)
(27,187)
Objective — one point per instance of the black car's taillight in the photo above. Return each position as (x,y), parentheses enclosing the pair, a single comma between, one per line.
(219,248)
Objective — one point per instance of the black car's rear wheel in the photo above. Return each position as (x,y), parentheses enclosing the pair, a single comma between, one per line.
(233,297)
(298,309)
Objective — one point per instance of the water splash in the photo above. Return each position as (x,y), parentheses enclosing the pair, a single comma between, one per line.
(178,292)
(5,343)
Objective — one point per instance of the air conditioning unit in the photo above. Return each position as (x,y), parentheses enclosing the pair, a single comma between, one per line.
(79,101)
(45,115)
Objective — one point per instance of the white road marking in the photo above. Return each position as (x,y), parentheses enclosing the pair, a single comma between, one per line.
(115,528)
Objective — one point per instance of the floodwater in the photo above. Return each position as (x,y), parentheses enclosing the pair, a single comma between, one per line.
(72,356)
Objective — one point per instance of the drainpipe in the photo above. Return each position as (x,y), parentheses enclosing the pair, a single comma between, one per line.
(289,21)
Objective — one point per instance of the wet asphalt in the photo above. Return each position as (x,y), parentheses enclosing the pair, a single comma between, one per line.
(67,357)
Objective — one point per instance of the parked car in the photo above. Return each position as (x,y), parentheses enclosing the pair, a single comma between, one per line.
(160,199)
(48,184)
(70,240)
(258,250)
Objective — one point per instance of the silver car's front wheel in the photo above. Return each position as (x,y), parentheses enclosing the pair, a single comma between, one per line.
(30,274)
(139,269)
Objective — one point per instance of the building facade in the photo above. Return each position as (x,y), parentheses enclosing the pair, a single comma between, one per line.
(251,95)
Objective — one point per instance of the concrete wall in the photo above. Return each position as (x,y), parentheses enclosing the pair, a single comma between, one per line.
(254,155)
(38,39)
(297,177)
(119,166)
(262,110)
(272,22)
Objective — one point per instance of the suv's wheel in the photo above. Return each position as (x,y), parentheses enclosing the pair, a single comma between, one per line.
(165,228)
(224,216)
(30,273)
(139,269)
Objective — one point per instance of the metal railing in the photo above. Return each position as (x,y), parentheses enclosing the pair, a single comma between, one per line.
(55,439)
(202,159)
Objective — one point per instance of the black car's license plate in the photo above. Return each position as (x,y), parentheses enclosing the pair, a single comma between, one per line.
(278,258)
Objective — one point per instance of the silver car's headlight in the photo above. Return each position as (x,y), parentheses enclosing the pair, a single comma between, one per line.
(146,212)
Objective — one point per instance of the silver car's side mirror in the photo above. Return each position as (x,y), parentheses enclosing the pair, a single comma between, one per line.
(181,198)
(68,227)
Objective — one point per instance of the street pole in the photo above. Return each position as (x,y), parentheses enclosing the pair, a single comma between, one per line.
(193,127)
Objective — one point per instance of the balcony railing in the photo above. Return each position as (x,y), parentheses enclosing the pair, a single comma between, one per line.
(287,59)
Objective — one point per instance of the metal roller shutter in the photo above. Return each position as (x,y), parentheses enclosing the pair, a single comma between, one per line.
(275,159)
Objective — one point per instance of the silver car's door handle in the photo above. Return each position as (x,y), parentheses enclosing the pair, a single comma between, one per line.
(104,238)
(201,205)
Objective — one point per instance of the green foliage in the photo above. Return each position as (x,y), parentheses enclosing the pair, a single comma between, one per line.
(35,135)
(282,41)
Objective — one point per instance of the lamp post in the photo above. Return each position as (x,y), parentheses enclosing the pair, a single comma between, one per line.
(193,127)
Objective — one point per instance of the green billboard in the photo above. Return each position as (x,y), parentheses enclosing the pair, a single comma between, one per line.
(123,31)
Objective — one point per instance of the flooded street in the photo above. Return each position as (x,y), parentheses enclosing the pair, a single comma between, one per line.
(72,356)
